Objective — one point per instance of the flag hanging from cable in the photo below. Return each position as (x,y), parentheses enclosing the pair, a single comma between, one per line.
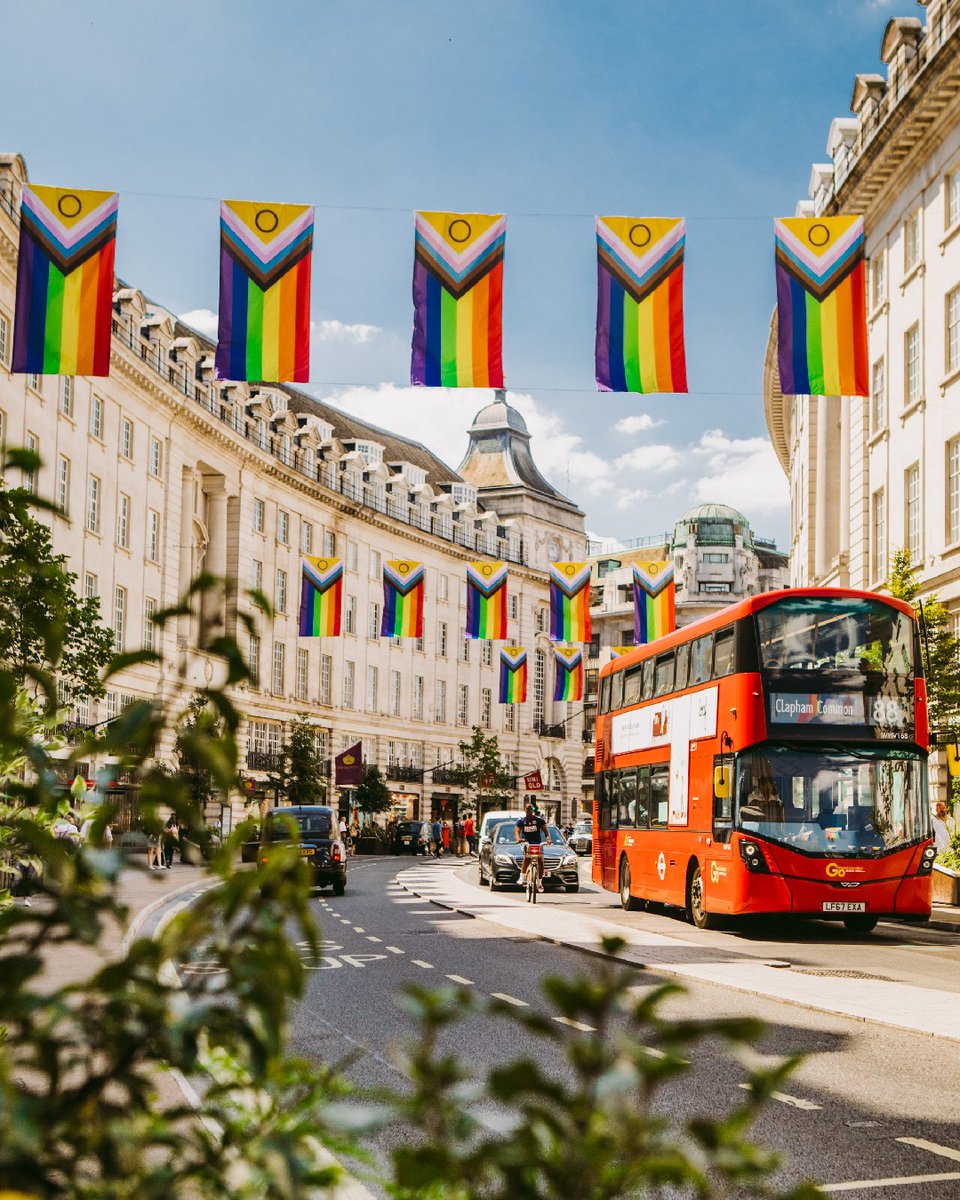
(321,596)
(487,600)
(570,601)
(568,673)
(513,675)
(402,598)
(654,601)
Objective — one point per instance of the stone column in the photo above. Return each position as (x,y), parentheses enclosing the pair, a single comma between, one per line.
(215,560)
(819,415)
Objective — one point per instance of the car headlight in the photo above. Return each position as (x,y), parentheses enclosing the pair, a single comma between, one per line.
(568,860)
(505,860)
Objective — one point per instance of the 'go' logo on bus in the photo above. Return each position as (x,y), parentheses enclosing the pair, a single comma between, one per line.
(836,871)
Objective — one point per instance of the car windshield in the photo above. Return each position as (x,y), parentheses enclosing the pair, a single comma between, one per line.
(584,827)
(312,824)
(826,800)
(506,833)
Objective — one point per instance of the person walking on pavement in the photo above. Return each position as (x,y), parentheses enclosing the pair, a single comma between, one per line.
(469,833)
(437,835)
(460,838)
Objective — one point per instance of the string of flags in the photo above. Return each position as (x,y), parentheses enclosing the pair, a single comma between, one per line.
(404,581)
(65,282)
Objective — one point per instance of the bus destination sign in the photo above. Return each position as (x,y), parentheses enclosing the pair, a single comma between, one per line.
(889,717)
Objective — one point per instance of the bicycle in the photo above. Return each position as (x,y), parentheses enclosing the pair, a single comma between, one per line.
(533,871)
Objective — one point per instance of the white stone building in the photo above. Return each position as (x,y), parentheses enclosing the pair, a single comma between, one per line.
(160,471)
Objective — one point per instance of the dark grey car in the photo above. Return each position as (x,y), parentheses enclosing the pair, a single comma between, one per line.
(500,859)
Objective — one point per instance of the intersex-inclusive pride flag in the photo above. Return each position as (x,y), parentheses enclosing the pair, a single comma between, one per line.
(458,300)
(321,597)
(619,651)
(568,673)
(821,306)
(654,601)
(265,254)
(513,675)
(402,598)
(640,304)
(570,602)
(487,600)
(64,282)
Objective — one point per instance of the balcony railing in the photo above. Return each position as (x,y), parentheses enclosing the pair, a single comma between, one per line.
(447,775)
(263,760)
(588,766)
(73,732)
(552,731)
(405,774)
(586,737)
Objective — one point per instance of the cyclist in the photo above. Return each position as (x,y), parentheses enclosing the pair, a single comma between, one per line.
(531,829)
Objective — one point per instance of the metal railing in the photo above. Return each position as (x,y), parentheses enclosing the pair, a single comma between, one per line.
(263,760)
(405,774)
(552,731)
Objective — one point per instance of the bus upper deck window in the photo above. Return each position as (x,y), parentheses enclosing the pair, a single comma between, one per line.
(648,671)
(701,654)
(723,654)
(665,672)
(683,666)
(604,705)
(631,687)
(616,690)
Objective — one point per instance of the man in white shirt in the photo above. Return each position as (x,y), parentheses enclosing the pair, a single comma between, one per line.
(941,834)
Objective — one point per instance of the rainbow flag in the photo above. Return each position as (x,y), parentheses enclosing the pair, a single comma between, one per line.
(821,307)
(570,602)
(487,600)
(321,597)
(640,304)
(654,601)
(265,254)
(458,299)
(64,281)
(402,598)
(568,673)
(513,675)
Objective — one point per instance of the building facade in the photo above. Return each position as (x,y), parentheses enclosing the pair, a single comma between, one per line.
(160,472)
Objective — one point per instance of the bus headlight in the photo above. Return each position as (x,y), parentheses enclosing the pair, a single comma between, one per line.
(753,857)
(926,860)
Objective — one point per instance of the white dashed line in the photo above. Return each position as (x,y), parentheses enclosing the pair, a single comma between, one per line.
(358,929)
(509,999)
(809,1106)
(371,938)
(575,1024)
(396,950)
(460,979)
(861,1185)
(933,1147)
(418,962)
(655,1053)
(345,921)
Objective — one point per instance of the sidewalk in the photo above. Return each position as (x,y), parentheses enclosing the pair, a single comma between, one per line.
(945,916)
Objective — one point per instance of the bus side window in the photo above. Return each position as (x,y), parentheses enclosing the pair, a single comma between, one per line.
(602,799)
(643,797)
(665,668)
(723,654)
(604,704)
(723,806)
(613,795)
(659,794)
(701,655)
(616,691)
(683,666)
(627,806)
(631,687)
(648,673)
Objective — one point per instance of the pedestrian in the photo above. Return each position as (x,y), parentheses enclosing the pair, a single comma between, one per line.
(445,835)
(154,859)
(436,835)
(104,842)
(171,838)
(469,833)
(460,838)
(941,834)
(345,835)
(354,834)
(65,829)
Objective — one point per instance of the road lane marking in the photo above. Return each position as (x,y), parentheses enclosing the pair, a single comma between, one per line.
(509,999)
(460,979)
(396,950)
(576,1024)
(793,1101)
(358,929)
(861,1185)
(371,938)
(406,900)
(345,921)
(418,962)
(933,1147)
(656,1053)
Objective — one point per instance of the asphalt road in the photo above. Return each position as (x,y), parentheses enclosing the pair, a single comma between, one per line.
(861,1090)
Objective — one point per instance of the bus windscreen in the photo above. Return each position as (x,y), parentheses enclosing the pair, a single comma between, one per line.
(815,634)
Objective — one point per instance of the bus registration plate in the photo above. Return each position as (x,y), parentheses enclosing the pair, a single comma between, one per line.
(844,906)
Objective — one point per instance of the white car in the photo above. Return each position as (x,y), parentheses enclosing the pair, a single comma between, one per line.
(581,839)
(491,819)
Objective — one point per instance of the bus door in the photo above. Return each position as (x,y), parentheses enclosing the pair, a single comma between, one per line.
(657,881)
(606,850)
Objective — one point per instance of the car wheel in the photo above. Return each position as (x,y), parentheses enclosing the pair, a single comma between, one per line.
(860,923)
(494,886)
(627,902)
(339,888)
(572,887)
(481,878)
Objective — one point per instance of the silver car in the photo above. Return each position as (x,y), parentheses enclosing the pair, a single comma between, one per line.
(581,839)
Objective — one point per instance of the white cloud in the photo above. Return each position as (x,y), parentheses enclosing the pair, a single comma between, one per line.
(338,331)
(638,424)
(561,455)
(742,472)
(203,320)
(656,457)
(627,499)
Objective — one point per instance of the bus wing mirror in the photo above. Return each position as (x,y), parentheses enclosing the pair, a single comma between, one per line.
(721,783)
(953,761)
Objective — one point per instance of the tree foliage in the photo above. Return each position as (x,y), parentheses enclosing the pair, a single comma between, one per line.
(200,725)
(941,646)
(298,779)
(483,770)
(371,795)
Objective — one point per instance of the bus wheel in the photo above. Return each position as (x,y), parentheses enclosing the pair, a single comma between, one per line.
(627,902)
(860,923)
(695,906)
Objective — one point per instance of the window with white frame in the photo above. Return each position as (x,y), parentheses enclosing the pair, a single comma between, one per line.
(463,703)
(350,614)
(911,241)
(31,443)
(953,491)
(375,564)
(283,527)
(253,659)
(278,665)
(911,365)
(326,678)
(373,681)
(303,672)
(329,543)
(153,535)
(4,340)
(539,675)
(952,307)
(351,556)
(281,592)
(911,497)
(63,484)
(878,540)
(509,717)
(156,457)
(465,650)
(417,698)
(486,707)
(123,521)
(416,755)
(33,382)
(442,640)
(265,737)
(394,693)
(513,607)
(349,680)
(486,654)
(91,586)
(93,504)
(126,437)
(952,214)
(878,280)
(66,395)
(119,617)
(440,707)
(306,537)
(256,576)
(418,644)
(259,516)
(111,705)
(878,395)
(96,417)
(541,618)
(373,619)
(443,587)
(149,629)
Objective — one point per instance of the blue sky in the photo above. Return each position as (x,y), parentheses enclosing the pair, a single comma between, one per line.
(549,110)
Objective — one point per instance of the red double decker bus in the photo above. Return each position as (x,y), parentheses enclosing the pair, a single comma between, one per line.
(771,758)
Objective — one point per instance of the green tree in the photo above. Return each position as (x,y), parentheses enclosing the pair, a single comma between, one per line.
(200,724)
(298,779)
(371,794)
(484,771)
(42,618)
(941,646)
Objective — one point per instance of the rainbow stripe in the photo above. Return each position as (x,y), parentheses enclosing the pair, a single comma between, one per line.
(568,673)
(265,256)
(458,299)
(570,602)
(822,306)
(654,601)
(487,600)
(513,675)
(402,598)
(640,304)
(321,597)
(65,282)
